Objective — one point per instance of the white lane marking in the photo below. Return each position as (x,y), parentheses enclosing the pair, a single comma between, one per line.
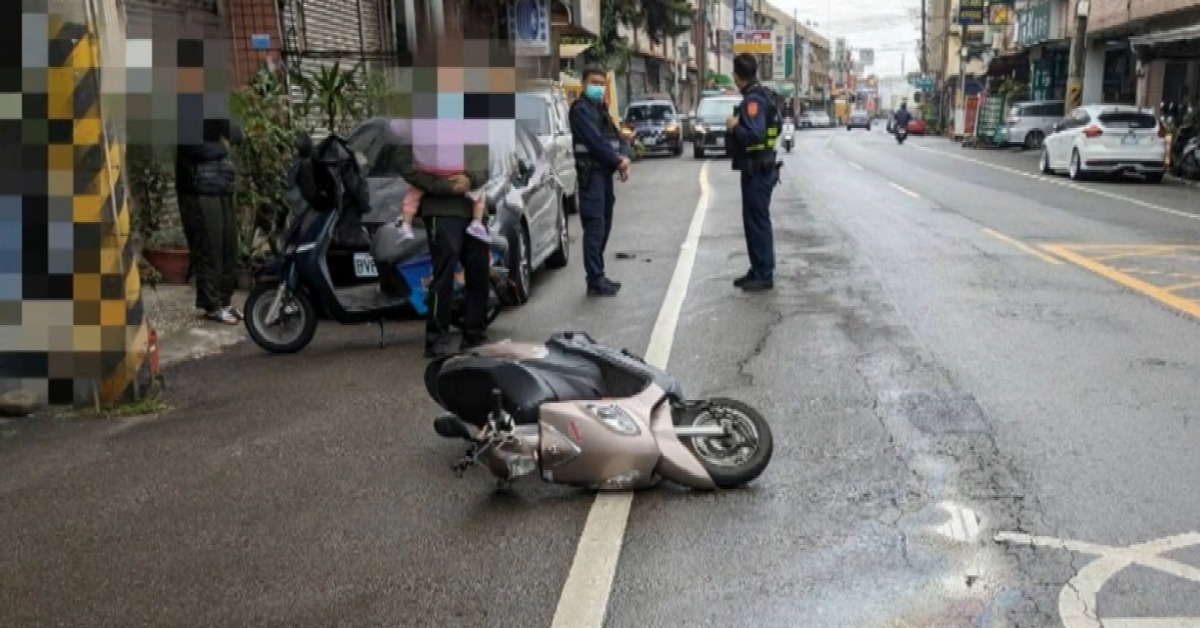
(1067,183)
(1077,599)
(855,164)
(963,525)
(904,189)
(584,598)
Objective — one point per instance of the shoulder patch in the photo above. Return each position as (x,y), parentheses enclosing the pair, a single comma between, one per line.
(752,108)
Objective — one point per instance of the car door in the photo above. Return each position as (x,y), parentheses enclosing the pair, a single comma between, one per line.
(1061,142)
(540,194)
(565,158)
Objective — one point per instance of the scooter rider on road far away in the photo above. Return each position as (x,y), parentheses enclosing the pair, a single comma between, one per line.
(901,118)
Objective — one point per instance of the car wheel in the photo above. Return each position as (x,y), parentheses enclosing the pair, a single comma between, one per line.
(1075,170)
(520,267)
(1034,140)
(561,255)
(697,152)
(1044,162)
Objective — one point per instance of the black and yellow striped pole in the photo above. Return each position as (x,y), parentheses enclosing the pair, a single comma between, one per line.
(83,321)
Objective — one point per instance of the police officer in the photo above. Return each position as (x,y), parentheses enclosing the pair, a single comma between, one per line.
(599,153)
(755,129)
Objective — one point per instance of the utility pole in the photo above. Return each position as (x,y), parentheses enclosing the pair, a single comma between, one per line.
(796,65)
(1078,56)
(924,34)
(702,48)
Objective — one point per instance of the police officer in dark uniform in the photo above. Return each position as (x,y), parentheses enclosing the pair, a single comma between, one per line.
(754,130)
(599,153)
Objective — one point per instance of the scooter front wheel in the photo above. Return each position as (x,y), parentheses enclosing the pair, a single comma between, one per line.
(736,459)
(294,326)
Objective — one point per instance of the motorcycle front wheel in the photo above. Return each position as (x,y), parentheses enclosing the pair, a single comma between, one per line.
(295,326)
(734,460)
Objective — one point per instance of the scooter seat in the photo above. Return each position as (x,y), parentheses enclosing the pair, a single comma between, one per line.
(464,386)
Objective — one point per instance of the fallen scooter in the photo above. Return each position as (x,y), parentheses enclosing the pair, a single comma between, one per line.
(584,414)
(324,262)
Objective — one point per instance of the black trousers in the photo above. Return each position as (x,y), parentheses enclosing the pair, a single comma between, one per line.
(450,245)
(757,185)
(596,202)
(210,226)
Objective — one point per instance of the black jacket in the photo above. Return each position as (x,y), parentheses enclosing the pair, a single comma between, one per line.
(212,149)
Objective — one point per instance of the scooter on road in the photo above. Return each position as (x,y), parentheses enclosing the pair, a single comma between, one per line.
(789,129)
(323,265)
(901,133)
(584,414)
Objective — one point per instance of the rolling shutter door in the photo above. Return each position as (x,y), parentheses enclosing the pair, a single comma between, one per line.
(329,31)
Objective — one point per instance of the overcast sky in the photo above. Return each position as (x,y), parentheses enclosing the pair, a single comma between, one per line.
(891,27)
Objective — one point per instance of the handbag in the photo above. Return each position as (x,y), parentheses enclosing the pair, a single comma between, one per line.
(215,178)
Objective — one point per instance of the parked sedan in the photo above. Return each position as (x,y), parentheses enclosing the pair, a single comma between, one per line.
(546,111)
(821,120)
(1106,140)
(525,198)
(709,129)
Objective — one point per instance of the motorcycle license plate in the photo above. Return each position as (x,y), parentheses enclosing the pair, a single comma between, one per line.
(1132,138)
(720,142)
(364,265)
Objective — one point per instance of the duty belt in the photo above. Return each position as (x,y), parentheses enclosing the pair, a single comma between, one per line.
(581,149)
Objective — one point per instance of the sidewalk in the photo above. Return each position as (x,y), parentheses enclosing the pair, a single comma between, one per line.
(182,333)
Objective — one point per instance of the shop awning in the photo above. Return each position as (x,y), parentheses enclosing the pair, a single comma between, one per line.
(1167,37)
(570,51)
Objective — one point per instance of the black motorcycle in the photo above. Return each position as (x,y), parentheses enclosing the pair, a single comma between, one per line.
(901,133)
(324,264)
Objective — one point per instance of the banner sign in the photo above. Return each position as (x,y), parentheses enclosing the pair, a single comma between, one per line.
(741,15)
(789,54)
(753,42)
(779,58)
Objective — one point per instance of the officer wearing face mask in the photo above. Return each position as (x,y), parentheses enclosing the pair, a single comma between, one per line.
(599,153)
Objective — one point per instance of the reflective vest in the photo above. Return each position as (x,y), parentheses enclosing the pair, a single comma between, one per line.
(774,122)
(607,129)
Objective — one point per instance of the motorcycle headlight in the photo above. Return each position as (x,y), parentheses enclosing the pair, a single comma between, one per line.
(615,418)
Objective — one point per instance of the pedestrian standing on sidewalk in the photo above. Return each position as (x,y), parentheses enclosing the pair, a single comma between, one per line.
(205,178)
(756,128)
(599,153)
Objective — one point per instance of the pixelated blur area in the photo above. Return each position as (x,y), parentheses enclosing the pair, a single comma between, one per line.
(71,318)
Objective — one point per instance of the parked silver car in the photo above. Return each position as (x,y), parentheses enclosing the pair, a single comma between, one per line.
(543,105)
(524,196)
(1028,123)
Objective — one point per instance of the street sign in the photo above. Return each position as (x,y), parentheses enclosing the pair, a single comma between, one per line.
(866,56)
(741,15)
(260,41)
(529,25)
(753,42)
(922,83)
(971,12)
(779,60)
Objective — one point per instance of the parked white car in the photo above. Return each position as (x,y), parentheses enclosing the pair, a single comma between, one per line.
(1106,140)
(545,108)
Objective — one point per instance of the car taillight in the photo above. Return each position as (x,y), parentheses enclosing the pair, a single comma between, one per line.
(1162,131)
(1093,131)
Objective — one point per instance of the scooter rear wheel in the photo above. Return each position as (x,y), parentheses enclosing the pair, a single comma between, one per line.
(296,310)
(731,461)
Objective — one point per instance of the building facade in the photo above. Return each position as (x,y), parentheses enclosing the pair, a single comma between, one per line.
(1145,52)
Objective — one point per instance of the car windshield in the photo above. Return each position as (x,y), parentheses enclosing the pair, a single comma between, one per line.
(1128,120)
(534,111)
(717,107)
(649,113)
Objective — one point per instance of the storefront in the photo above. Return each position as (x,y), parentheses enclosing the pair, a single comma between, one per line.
(1120,74)
(1048,67)
(1170,66)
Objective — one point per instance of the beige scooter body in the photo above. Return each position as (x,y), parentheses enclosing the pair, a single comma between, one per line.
(602,441)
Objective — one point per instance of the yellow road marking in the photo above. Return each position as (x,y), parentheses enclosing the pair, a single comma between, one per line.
(1149,251)
(1183,286)
(1162,295)
(1159,273)
(1021,245)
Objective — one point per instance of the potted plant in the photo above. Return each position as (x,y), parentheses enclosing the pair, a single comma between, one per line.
(262,109)
(159,237)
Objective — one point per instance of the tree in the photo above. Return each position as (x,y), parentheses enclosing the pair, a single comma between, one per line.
(658,20)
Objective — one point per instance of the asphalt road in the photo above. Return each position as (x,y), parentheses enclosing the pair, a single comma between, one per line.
(938,384)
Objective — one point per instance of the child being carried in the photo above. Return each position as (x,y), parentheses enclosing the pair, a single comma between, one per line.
(441,148)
